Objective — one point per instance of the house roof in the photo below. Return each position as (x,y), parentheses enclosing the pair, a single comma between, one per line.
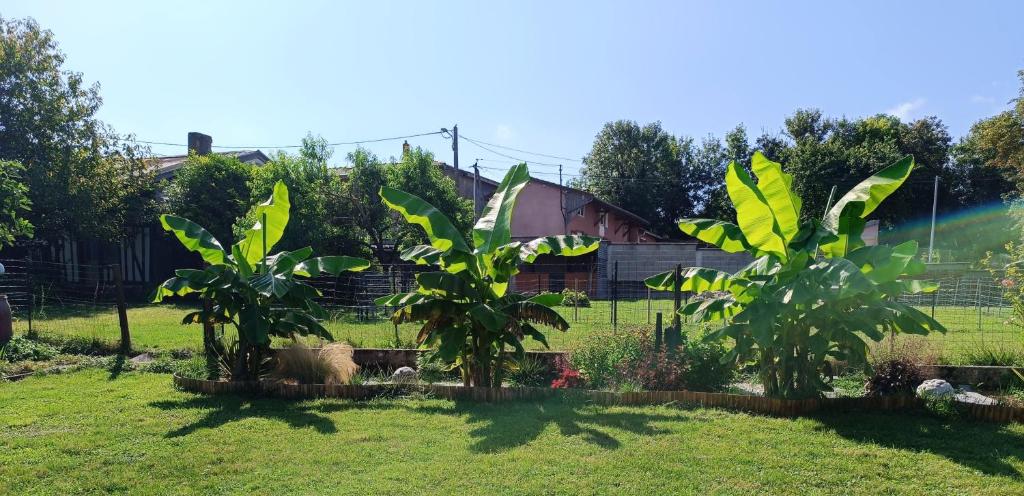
(164,167)
(586,195)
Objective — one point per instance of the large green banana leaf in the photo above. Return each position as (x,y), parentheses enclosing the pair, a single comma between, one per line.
(753,214)
(442,233)
(871,191)
(724,235)
(563,245)
(195,238)
(275,211)
(695,279)
(777,188)
(494,228)
(332,265)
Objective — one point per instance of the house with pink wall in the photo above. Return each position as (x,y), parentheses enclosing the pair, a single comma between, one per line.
(545,208)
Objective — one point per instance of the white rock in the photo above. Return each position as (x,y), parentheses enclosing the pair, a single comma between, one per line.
(935,388)
(404,375)
(977,399)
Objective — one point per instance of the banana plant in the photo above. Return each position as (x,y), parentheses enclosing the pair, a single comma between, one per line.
(814,291)
(468,315)
(257,292)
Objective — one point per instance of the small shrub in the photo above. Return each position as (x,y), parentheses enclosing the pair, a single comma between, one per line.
(331,364)
(430,369)
(572,298)
(191,368)
(601,358)
(705,370)
(896,375)
(20,349)
(944,407)
(568,377)
(656,370)
(529,371)
(161,364)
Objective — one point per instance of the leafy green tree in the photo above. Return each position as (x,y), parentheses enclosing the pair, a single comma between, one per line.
(211,190)
(998,142)
(252,289)
(369,217)
(14,204)
(631,166)
(466,311)
(789,310)
(317,199)
(417,173)
(83,179)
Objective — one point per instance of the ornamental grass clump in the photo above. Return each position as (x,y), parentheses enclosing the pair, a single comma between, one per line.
(814,291)
(331,364)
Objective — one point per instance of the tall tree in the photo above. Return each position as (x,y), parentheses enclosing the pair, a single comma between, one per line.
(212,191)
(636,167)
(417,173)
(83,179)
(315,190)
(14,204)
(998,141)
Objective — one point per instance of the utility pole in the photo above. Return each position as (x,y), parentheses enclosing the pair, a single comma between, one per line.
(561,202)
(476,183)
(935,205)
(455,144)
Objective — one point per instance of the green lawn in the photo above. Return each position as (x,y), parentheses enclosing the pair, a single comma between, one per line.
(97,432)
(158,326)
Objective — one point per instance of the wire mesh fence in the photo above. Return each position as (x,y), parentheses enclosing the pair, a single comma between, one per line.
(53,299)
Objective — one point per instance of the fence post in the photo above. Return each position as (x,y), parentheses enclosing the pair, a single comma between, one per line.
(122,311)
(677,329)
(576,300)
(31,291)
(648,305)
(615,297)
(658,332)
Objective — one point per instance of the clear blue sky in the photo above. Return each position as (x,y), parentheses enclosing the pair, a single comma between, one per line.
(540,76)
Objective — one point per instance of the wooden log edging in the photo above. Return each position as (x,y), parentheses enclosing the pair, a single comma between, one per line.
(752,404)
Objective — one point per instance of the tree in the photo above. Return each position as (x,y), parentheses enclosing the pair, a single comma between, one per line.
(418,174)
(14,204)
(999,140)
(372,219)
(83,179)
(317,199)
(468,316)
(788,310)
(211,190)
(631,166)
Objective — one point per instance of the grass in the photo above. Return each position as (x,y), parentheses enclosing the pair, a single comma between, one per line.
(973,335)
(93,432)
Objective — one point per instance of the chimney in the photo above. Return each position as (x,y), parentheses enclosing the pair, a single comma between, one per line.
(405,148)
(199,143)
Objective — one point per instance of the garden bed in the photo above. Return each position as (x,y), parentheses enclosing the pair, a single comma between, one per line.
(754,404)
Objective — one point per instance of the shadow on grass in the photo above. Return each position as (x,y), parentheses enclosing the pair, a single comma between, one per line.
(985,447)
(500,427)
(221,410)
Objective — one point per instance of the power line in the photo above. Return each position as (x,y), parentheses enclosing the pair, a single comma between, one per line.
(556,157)
(478,145)
(340,143)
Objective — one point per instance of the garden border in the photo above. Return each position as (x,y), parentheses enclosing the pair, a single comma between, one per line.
(754,404)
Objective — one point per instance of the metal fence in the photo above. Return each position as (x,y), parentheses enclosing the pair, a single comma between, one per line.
(51,299)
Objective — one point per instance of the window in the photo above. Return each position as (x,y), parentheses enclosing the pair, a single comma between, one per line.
(579,212)
(603,219)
